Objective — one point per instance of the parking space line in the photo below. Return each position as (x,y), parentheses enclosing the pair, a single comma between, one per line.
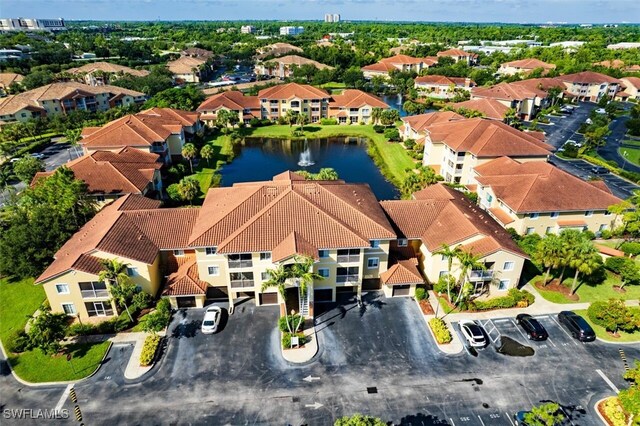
(481,420)
(63,398)
(452,422)
(551,341)
(519,331)
(565,331)
(567,415)
(510,421)
(609,382)
(502,320)
(543,317)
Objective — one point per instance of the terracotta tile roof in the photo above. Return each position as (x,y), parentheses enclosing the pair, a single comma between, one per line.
(540,187)
(441,215)
(125,171)
(616,63)
(8,78)
(12,104)
(577,222)
(353,98)
(390,64)
(278,49)
(529,64)
(299,60)
(441,80)
(108,68)
(185,65)
(138,202)
(402,59)
(589,77)
(185,281)
(233,100)
(258,216)
(186,118)
(502,216)
(631,81)
(402,272)
(132,234)
(379,67)
(609,251)
(197,52)
(293,90)
(487,138)
(506,91)
(456,52)
(491,108)
(421,121)
(294,244)
(482,247)
(430,60)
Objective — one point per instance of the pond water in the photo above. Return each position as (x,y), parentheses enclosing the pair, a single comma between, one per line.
(395,101)
(260,159)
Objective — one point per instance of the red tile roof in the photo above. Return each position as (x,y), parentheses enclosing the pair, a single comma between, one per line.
(456,52)
(502,216)
(421,121)
(353,98)
(185,281)
(589,77)
(441,80)
(609,251)
(402,272)
(292,90)
(491,108)
(292,245)
(529,64)
(232,100)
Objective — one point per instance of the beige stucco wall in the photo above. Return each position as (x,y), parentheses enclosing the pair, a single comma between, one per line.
(176,142)
(285,104)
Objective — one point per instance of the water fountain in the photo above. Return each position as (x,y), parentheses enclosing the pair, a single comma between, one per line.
(305,159)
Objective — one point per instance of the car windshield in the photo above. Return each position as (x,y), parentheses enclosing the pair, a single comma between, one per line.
(475,331)
(208,322)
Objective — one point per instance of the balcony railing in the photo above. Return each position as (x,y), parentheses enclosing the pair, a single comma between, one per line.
(342,279)
(100,312)
(480,275)
(88,294)
(235,264)
(158,148)
(348,258)
(242,283)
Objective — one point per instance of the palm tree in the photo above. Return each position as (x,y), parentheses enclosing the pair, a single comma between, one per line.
(302,271)
(467,262)
(115,276)
(585,259)
(189,152)
(207,152)
(188,189)
(301,120)
(278,278)
(549,253)
(570,238)
(376,114)
(73,137)
(291,116)
(449,253)
(511,116)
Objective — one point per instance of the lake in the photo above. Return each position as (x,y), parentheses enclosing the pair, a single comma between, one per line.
(395,101)
(261,159)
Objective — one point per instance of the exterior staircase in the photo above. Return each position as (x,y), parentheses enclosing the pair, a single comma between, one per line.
(304,303)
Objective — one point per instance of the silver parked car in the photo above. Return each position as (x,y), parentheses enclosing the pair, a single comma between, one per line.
(211,320)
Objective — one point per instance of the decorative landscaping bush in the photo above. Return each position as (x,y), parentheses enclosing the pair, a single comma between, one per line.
(514,297)
(18,342)
(392,134)
(293,321)
(149,349)
(286,339)
(613,412)
(440,331)
(630,247)
(614,315)
(378,128)
(616,264)
(328,121)
(158,319)
(421,294)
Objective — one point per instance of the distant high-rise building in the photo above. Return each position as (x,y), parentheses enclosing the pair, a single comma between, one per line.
(336,17)
(291,30)
(24,24)
(247,29)
(331,17)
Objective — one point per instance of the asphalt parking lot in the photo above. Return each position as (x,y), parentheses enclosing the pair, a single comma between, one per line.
(564,128)
(377,359)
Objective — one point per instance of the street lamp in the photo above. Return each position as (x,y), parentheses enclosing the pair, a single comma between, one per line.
(625,154)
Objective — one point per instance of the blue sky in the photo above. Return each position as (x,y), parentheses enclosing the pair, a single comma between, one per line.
(521,11)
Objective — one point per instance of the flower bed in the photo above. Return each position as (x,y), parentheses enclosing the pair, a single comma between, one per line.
(286,340)
(612,412)
(440,331)
(149,349)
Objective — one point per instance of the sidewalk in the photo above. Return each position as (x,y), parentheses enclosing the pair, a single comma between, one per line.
(305,353)
(134,370)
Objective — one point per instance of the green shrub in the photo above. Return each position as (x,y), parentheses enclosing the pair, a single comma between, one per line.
(606,234)
(286,339)
(440,330)
(141,300)
(293,321)
(614,315)
(421,294)
(378,129)
(149,349)
(441,286)
(328,121)
(630,247)
(409,143)
(255,122)
(513,298)
(614,412)
(589,235)
(158,319)
(17,342)
(392,134)
(78,329)
(615,264)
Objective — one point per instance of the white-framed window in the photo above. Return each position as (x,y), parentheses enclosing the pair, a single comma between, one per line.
(375,243)
(530,230)
(403,242)
(588,213)
(554,215)
(264,276)
(508,266)
(69,308)
(534,216)
(132,271)
(323,272)
(503,285)
(373,262)
(178,253)
(213,271)
(323,254)
(210,251)
(62,288)
(443,273)
(265,255)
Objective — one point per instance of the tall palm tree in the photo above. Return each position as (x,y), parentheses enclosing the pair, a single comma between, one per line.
(449,253)
(467,263)
(207,152)
(278,278)
(585,259)
(114,274)
(549,253)
(73,137)
(302,271)
(301,120)
(189,152)
(291,116)
(570,239)
(376,114)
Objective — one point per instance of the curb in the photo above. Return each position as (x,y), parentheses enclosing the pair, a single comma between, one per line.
(616,343)
(595,406)
(314,338)
(454,335)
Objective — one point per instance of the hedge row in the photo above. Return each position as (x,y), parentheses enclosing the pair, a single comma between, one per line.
(149,349)
(632,176)
(440,330)
(515,297)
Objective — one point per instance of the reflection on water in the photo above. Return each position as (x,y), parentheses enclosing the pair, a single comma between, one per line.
(260,159)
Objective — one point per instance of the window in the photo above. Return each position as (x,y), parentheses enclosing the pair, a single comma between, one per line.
(508,266)
(588,213)
(132,271)
(210,251)
(264,276)
(373,262)
(554,215)
(375,243)
(323,254)
(93,289)
(178,252)
(349,255)
(530,231)
(265,255)
(241,279)
(403,242)
(549,230)
(98,309)
(100,198)
(503,285)
(443,273)
(323,272)
(62,288)
(607,213)
(347,275)
(69,308)
(534,215)
(213,271)
(602,227)
(240,260)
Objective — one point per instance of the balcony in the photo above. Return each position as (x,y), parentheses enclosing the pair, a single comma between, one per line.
(348,258)
(91,294)
(158,148)
(480,275)
(242,283)
(347,279)
(236,264)
(106,312)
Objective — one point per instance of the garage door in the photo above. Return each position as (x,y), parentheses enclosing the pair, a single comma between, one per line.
(371,284)
(217,293)
(186,302)
(268,298)
(323,295)
(345,294)
(401,290)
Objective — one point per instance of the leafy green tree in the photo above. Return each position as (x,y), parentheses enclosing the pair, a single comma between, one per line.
(327,173)
(188,189)
(467,262)
(189,152)
(359,420)
(73,136)
(302,272)
(207,152)
(548,414)
(114,273)
(549,254)
(376,115)
(47,330)
(596,136)
(629,274)
(291,117)
(187,99)
(585,259)
(301,120)
(418,179)
(353,78)
(27,167)
(37,79)
(277,278)
(449,253)
(226,118)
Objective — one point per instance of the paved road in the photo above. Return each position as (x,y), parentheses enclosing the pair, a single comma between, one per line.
(378,360)
(610,150)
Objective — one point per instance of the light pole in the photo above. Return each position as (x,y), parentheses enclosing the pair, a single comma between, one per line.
(625,154)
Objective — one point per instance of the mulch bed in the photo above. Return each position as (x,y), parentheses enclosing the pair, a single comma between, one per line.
(426,307)
(555,285)
(619,289)
(602,413)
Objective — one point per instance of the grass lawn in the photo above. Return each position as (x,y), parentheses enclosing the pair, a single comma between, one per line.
(632,154)
(333,86)
(602,333)
(631,142)
(20,299)
(395,157)
(592,293)
(205,171)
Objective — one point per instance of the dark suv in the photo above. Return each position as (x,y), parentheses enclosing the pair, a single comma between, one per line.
(577,326)
(535,330)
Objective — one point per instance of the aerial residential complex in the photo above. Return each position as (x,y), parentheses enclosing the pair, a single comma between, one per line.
(101,73)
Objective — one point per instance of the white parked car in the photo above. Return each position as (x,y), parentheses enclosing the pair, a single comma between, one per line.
(211,320)
(472,331)
(601,111)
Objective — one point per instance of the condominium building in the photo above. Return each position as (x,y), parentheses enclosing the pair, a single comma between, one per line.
(284,66)
(190,69)
(247,107)
(459,55)
(401,63)
(524,66)
(247,29)
(442,87)
(291,31)
(591,86)
(30,24)
(101,73)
